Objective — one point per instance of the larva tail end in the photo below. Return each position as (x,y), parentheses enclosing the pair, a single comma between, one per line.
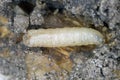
(25,40)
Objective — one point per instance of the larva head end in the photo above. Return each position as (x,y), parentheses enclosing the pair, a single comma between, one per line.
(101,40)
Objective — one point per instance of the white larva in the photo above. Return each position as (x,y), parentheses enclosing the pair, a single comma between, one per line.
(62,37)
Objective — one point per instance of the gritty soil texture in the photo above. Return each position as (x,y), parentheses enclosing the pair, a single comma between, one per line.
(19,62)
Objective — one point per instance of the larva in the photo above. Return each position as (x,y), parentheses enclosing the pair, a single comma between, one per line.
(62,37)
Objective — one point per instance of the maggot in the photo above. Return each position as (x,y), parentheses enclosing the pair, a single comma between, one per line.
(62,37)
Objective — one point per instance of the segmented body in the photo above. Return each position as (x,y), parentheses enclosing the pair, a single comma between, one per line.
(62,37)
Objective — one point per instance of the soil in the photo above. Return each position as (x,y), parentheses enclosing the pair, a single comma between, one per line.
(19,62)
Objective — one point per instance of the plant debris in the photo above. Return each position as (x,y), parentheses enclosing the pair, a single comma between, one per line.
(4,32)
